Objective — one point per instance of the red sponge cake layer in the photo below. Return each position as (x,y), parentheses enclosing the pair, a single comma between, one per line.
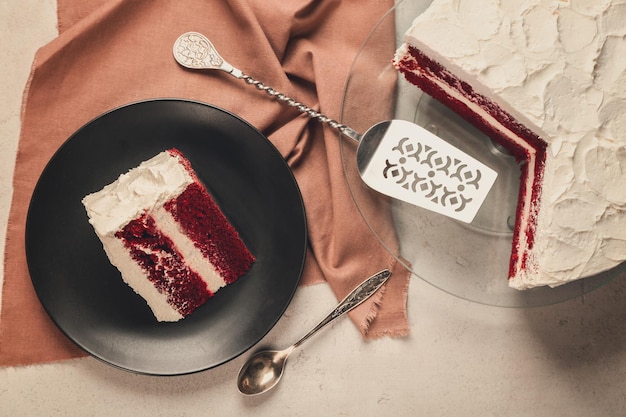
(164,265)
(204,223)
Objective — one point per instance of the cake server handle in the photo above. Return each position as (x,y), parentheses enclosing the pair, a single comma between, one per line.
(195,51)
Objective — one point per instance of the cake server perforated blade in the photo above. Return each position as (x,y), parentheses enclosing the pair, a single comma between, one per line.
(394,157)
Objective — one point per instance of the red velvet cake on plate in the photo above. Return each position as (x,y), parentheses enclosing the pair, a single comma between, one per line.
(161,228)
(547,80)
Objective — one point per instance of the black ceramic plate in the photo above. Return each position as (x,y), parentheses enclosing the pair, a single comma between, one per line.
(85,295)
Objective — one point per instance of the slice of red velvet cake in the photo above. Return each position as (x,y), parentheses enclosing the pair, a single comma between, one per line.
(161,228)
(547,80)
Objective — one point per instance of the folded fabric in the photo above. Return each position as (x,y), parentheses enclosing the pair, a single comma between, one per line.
(112,52)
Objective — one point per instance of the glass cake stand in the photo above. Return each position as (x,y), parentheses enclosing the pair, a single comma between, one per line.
(470,261)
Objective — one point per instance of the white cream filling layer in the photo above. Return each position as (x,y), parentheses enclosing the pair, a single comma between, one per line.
(193,256)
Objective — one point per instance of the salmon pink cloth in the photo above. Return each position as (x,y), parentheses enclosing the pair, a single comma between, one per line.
(113,52)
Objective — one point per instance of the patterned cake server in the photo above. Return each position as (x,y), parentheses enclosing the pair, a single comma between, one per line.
(394,157)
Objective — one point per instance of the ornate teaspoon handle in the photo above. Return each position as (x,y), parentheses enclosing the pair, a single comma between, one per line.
(195,51)
(361,293)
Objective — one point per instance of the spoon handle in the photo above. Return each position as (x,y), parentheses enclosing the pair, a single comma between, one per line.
(194,50)
(361,293)
(302,108)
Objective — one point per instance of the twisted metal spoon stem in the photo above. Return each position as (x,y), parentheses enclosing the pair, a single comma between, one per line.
(195,51)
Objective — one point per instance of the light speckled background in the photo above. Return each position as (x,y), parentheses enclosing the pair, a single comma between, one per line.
(462,359)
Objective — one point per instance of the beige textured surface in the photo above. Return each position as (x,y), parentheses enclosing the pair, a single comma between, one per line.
(463,359)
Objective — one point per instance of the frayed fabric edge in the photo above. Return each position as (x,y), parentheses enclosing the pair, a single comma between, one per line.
(10,220)
(40,364)
(377,302)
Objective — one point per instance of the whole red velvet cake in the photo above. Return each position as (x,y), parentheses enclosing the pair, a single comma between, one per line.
(547,80)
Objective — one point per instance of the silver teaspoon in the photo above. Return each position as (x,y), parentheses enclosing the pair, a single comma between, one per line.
(263,370)
(394,157)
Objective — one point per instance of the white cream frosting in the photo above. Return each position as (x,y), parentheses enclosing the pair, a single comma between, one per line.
(143,188)
(146,188)
(558,66)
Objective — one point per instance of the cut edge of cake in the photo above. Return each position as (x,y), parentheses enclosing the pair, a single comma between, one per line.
(499,125)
